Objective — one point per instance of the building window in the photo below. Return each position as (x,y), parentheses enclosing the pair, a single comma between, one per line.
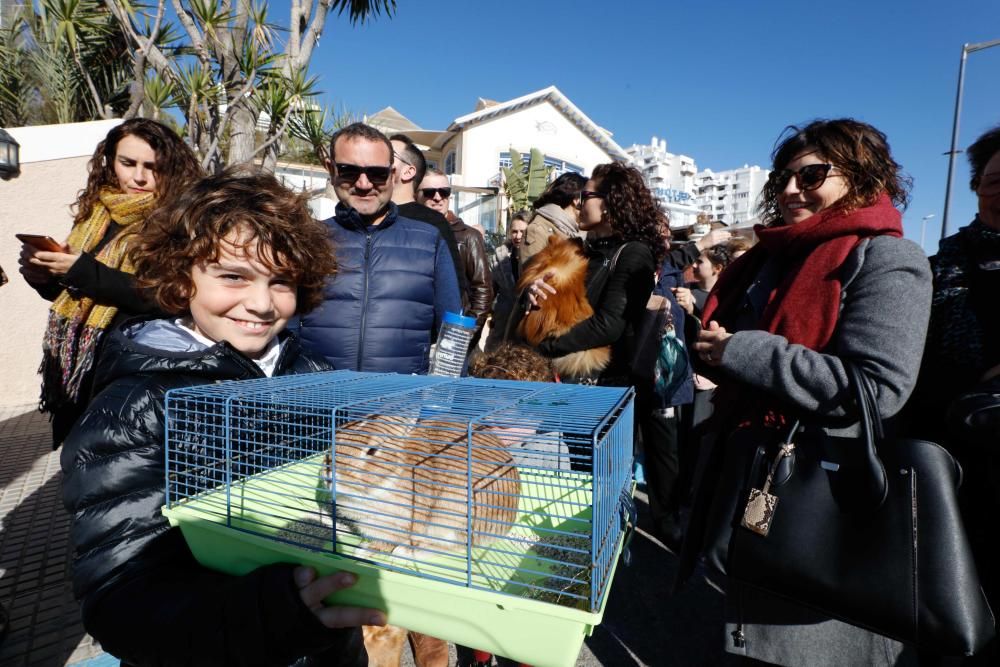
(449,163)
(560,167)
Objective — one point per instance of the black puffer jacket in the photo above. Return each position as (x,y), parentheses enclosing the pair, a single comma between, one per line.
(144,597)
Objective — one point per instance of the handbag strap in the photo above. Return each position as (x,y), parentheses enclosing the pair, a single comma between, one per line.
(871,434)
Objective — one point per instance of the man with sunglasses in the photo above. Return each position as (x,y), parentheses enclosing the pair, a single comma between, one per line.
(435,193)
(395,279)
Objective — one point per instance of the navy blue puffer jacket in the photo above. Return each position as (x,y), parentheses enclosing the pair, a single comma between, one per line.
(394,283)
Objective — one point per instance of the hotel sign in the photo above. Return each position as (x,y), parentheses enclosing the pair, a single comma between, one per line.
(671,195)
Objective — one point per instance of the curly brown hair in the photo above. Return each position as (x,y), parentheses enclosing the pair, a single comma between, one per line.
(859,151)
(630,207)
(190,229)
(176,166)
(509,361)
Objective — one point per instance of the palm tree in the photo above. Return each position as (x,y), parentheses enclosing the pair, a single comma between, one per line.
(232,68)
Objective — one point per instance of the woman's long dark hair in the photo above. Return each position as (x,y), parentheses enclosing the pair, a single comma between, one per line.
(176,165)
(630,207)
(562,192)
(858,150)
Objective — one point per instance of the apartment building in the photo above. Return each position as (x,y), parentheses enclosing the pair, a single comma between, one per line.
(670,177)
(730,196)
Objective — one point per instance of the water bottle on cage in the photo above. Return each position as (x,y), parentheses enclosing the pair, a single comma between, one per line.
(453,345)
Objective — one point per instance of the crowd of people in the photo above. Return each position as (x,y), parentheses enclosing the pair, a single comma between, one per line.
(171,278)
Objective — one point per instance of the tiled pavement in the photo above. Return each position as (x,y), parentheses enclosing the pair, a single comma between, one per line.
(45,626)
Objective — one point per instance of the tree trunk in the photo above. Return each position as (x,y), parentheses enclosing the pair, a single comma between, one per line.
(241,134)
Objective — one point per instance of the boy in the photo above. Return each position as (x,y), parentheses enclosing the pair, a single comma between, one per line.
(233,258)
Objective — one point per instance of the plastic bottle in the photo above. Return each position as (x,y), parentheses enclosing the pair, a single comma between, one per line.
(453,345)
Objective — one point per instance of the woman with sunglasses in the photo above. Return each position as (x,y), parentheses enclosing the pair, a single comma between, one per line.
(624,245)
(830,282)
(138,166)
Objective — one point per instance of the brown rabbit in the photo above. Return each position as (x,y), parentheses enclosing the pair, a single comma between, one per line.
(402,484)
(565,261)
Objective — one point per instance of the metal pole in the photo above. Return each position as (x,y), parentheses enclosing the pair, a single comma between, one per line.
(966,50)
(954,141)
(923,229)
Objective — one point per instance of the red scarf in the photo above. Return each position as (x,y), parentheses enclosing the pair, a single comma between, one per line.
(805,305)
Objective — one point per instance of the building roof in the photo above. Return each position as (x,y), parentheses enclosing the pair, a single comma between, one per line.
(391,120)
(552,95)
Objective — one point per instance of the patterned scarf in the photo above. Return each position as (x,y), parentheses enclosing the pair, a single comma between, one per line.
(956,332)
(77,322)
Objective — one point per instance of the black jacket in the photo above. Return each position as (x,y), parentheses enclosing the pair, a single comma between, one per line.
(619,304)
(108,287)
(144,597)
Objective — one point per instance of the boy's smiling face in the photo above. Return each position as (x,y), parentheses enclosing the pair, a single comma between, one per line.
(238,299)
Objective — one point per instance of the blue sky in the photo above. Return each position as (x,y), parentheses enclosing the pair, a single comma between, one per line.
(718,80)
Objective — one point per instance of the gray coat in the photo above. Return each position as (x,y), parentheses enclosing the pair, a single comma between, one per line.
(885,306)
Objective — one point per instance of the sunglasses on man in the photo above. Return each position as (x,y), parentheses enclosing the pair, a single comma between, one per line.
(428,193)
(589,194)
(352,172)
(809,177)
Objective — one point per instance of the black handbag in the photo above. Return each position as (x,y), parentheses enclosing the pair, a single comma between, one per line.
(866,530)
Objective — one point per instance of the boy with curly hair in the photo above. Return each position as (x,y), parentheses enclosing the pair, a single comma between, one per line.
(232,259)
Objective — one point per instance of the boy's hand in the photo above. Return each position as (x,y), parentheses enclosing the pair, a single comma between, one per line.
(312,591)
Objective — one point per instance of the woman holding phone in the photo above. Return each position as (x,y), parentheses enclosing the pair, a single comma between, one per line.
(139,165)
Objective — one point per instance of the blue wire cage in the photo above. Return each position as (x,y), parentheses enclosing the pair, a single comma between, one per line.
(514,488)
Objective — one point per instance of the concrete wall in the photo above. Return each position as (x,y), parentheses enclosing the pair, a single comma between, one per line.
(37,202)
(53,170)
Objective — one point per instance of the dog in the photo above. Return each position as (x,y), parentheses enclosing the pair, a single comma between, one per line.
(566,262)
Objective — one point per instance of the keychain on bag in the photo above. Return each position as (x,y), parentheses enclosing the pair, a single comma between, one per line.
(759,512)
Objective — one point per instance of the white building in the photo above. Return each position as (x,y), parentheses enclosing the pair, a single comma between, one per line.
(730,196)
(474,146)
(671,179)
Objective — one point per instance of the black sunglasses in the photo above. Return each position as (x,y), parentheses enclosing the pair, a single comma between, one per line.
(428,193)
(809,177)
(589,194)
(352,172)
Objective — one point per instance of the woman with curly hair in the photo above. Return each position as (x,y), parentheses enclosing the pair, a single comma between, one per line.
(831,283)
(588,297)
(137,167)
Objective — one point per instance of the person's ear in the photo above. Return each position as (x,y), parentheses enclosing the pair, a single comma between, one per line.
(329,166)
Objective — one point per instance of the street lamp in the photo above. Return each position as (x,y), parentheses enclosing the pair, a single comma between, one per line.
(10,163)
(966,50)
(923,229)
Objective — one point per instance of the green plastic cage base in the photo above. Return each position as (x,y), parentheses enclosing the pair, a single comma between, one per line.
(536,632)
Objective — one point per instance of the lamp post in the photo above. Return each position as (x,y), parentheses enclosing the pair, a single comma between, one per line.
(10,162)
(966,50)
(923,229)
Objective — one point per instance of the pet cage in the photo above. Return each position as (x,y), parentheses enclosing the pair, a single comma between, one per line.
(490,513)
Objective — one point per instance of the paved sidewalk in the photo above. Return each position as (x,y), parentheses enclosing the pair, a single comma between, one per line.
(35,549)
(643,625)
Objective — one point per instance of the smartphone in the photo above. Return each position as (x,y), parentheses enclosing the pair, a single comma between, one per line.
(40,242)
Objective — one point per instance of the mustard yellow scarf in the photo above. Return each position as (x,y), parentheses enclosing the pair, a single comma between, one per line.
(77,322)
